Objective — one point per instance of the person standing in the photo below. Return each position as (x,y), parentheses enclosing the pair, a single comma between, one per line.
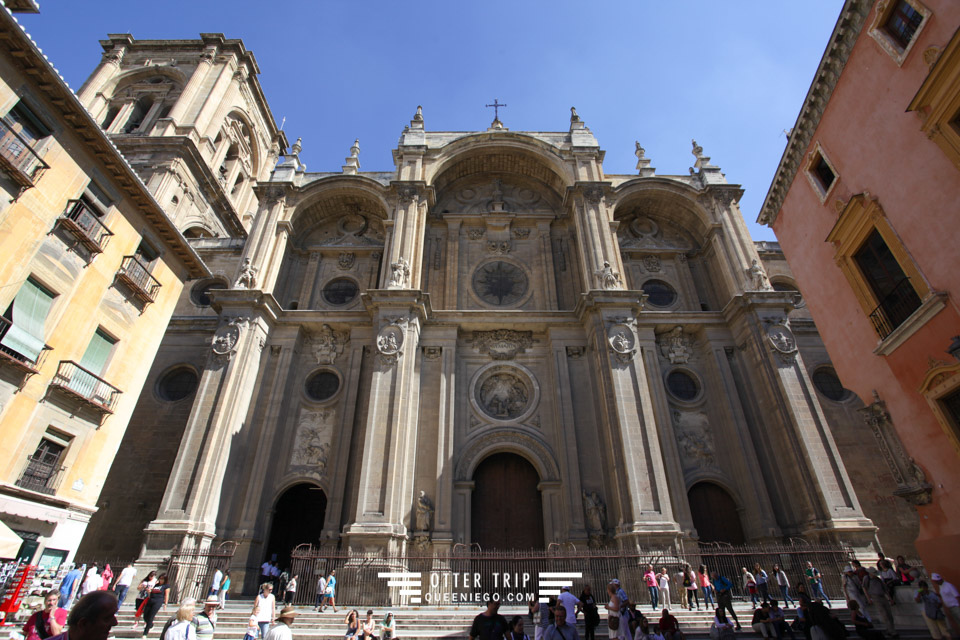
(330,591)
(489,625)
(265,572)
(724,589)
(181,627)
(560,630)
(854,590)
(215,583)
(281,630)
(613,612)
(275,575)
(47,622)
(224,588)
(704,580)
(650,579)
(205,622)
(69,586)
(951,599)
(122,585)
(157,599)
(691,586)
(321,592)
(749,585)
(815,580)
(265,608)
(106,578)
(143,594)
(591,616)
(291,591)
(663,585)
(783,582)
(92,582)
(569,603)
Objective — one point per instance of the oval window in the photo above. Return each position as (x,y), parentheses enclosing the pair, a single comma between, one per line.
(340,291)
(682,385)
(660,293)
(177,384)
(201,292)
(827,383)
(322,385)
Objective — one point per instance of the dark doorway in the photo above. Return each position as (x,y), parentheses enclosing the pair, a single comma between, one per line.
(715,514)
(297,518)
(506,511)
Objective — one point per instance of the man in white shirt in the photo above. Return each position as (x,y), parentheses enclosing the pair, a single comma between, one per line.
(281,630)
(215,585)
(950,597)
(569,602)
(124,580)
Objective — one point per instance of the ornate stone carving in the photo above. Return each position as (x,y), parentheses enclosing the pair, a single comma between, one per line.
(312,444)
(225,340)
(622,341)
(389,344)
(693,436)
(114,56)
(502,344)
(346,260)
(432,353)
(248,276)
(424,513)
(675,346)
(782,340)
(328,344)
(651,263)
(593,194)
(758,277)
(504,394)
(399,272)
(498,247)
(475,233)
(407,194)
(576,352)
(911,481)
(607,278)
(521,233)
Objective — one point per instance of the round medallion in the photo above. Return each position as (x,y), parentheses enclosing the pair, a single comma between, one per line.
(500,283)
(504,393)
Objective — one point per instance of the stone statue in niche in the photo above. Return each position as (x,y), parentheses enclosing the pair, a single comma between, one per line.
(675,346)
(399,272)
(608,278)
(248,276)
(328,344)
(596,512)
(758,278)
(424,512)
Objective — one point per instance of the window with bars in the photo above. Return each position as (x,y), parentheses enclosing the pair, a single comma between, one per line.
(890,286)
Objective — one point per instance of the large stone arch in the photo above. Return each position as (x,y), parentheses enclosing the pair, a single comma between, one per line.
(325,199)
(122,80)
(509,440)
(664,199)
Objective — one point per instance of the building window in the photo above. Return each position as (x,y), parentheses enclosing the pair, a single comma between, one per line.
(824,173)
(43,469)
(682,385)
(660,294)
(22,328)
(500,283)
(821,173)
(177,384)
(22,132)
(889,284)
(322,385)
(937,104)
(340,291)
(951,407)
(902,23)
(200,294)
(826,381)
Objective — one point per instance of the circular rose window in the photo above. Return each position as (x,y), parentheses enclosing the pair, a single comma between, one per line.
(682,385)
(500,283)
(177,384)
(322,385)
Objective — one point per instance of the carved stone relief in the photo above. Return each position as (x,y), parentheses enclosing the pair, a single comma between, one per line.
(607,278)
(346,260)
(675,346)
(312,445)
(502,344)
(692,430)
(782,340)
(504,392)
(399,273)
(622,341)
(651,263)
(389,344)
(225,340)
(328,344)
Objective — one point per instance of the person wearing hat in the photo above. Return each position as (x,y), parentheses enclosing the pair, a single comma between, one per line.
(951,599)
(281,630)
(205,622)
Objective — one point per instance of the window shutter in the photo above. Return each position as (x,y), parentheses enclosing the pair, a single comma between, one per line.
(30,309)
(95,357)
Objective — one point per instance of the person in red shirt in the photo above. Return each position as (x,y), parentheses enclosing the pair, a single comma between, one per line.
(47,622)
(669,626)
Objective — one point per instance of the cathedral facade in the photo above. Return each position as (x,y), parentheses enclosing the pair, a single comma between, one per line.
(493,343)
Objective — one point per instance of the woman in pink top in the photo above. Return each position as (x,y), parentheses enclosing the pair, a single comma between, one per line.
(703,576)
(650,579)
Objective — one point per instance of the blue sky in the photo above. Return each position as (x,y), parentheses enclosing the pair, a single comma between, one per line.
(731,74)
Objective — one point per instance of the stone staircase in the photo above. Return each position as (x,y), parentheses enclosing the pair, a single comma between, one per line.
(454,623)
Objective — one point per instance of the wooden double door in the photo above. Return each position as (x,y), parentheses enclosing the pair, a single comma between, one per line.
(506,507)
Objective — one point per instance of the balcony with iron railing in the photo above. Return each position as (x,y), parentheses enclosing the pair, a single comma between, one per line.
(18,157)
(16,359)
(895,308)
(40,476)
(83,223)
(136,275)
(87,387)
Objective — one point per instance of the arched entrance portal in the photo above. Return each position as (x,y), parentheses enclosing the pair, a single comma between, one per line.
(297,518)
(506,511)
(715,514)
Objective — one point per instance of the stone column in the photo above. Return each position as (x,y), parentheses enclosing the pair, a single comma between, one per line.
(389,436)
(189,93)
(214,100)
(463,490)
(641,488)
(452,273)
(597,243)
(90,93)
(443,524)
(190,505)
(259,248)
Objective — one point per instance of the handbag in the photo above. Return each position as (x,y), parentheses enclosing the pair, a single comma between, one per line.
(613,622)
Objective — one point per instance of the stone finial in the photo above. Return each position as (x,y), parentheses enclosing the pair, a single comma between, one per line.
(697,150)
(573,115)
(353,160)
(643,162)
(418,116)
(297,147)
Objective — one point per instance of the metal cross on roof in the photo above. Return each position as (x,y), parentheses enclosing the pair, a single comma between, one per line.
(496,108)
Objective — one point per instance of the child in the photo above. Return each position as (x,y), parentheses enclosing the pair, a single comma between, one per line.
(253,629)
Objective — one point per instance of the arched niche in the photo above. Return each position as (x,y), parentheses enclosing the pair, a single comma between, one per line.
(298,517)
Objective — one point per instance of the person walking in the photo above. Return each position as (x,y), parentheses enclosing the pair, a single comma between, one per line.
(122,585)
(560,630)
(156,600)
(613,613)
(724,589)
(703,578)
(281,630)
(106,578)
(877,594)
(591,616)
(570,603)
(291,591)
(663,584)
(69,586)
(863,627)
(750,585)
(265,608)
(143,593)
(854,590)
(321,592)
(932,611)
(762,578)
(215,583)
(650,579)
(815,580)
(330,592)
(181,626)
(488,624)
(205,622)
(951,599)
(691,586)
(92,582)
(783,582)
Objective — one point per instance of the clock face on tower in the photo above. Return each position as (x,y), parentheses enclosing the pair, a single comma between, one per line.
(500,283)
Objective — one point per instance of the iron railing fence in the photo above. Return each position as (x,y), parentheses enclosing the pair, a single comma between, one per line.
(15,356)
(41,476)
(136,275)
(465,576)
(190,571)
(84,384)
(895,308)
(81,220)
(18,156)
